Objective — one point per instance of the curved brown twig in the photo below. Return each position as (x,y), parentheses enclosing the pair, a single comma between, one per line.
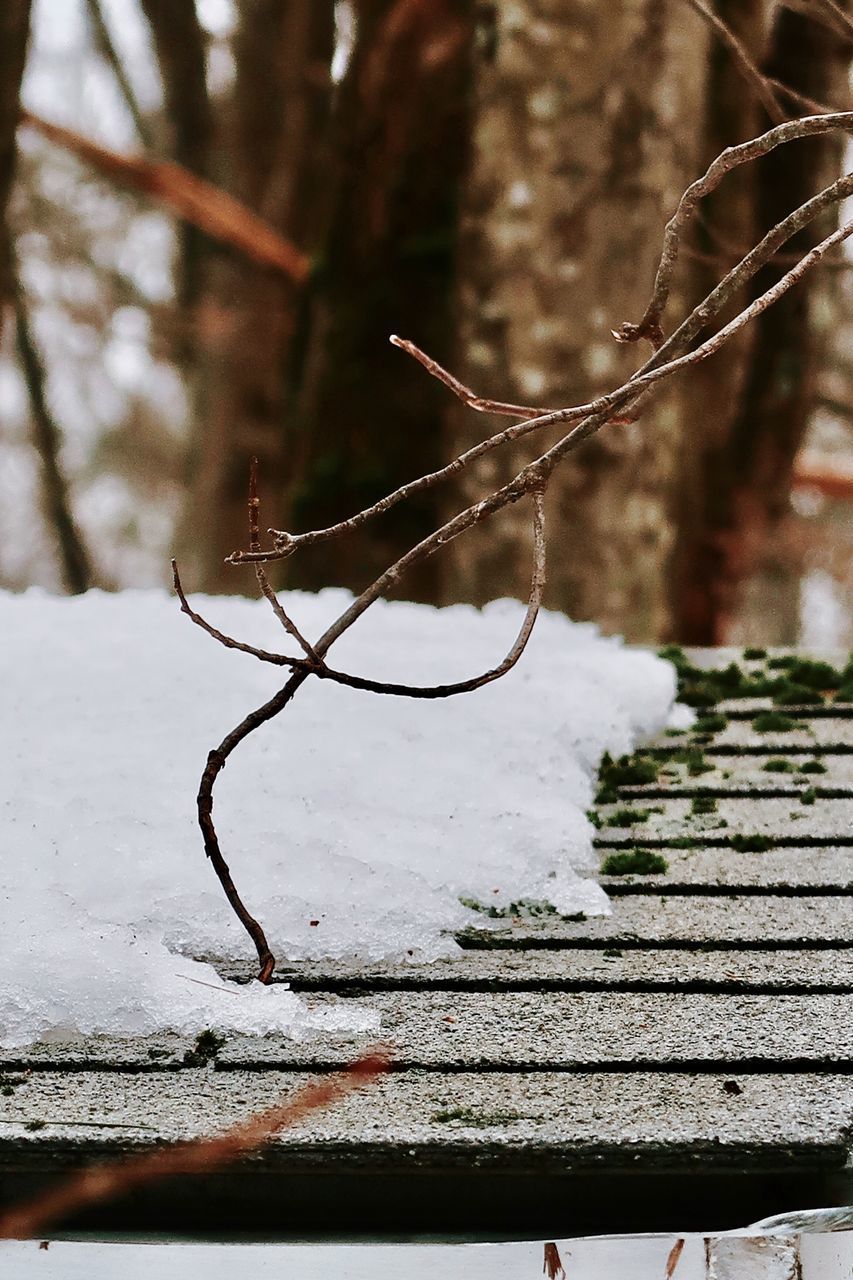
(670,356)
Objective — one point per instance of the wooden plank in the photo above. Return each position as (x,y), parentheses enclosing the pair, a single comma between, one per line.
(423,1120)
(775,817)
(774,870)
(807,736)
(708,922)
(550,1030)
(747,775)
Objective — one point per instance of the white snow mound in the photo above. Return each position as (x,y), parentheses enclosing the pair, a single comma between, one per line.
(353,823)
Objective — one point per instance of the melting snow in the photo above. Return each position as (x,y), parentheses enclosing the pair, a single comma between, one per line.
(353,823)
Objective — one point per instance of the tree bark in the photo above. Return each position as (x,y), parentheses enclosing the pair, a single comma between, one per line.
(587,126)
(368,419)
(742,476)
(14,34)
(269,151)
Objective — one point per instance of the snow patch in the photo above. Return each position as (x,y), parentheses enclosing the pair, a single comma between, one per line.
(353,823)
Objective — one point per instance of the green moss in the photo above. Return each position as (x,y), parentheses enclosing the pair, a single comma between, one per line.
(711,724)
(627,771)
(630,817)
(814,674)
(595,818)
(796,695)
(812,766)
(205,1049)
(475,1119)
(809,796)
(845,693)
(703,804)
(773,722)
(634,862)
(612,953)
(526,908)
(778,766)
(752,844)
(35,1124)
(782,663)
(686,842)
(754,655)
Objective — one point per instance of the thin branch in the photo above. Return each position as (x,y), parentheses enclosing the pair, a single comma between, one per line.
(731,158)
(76,565)
(104,1182)
(287,543)
(537,586)
(747,67)
(465,394)
(106,47)
(812,106)
(263,581)
(187,196)
(277,659)
(669,356)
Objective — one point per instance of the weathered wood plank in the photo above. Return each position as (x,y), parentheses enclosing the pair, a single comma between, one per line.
(554,1030)
(766,922)
(805,737)
(431,1119)
(779,869)
(776,817)
(747,775)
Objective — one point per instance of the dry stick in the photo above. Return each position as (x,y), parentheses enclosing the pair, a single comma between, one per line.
(278,659)
(320,669)
(104,1182)
(263,581)
(105,45)
(810,126)
(216,759)
(465,394)
(739,275)
(532,478)
(743,61)
(801,99)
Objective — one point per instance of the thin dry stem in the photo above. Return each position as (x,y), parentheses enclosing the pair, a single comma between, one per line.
(287,543)
(670,356)
(105,1182)
(263,581)
(731,158)
(764,90)
(465,394)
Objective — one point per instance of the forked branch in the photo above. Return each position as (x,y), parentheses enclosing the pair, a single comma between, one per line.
(670,355)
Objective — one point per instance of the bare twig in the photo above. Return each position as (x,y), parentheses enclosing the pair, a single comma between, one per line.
(811,105)
(673,1259)
(287,543)
(277,659)
(552,1265)
(207,207)
(745,64)
(731,158)
(263,581)
(104,1182)
(465,394)
(106,47)
(670,356)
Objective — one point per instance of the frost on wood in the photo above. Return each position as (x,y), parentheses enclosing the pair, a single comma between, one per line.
(356,822)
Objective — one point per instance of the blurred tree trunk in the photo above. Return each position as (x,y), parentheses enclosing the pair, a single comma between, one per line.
(369,419)
(587,126)
(737,490)
(268,149)
(14,34)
